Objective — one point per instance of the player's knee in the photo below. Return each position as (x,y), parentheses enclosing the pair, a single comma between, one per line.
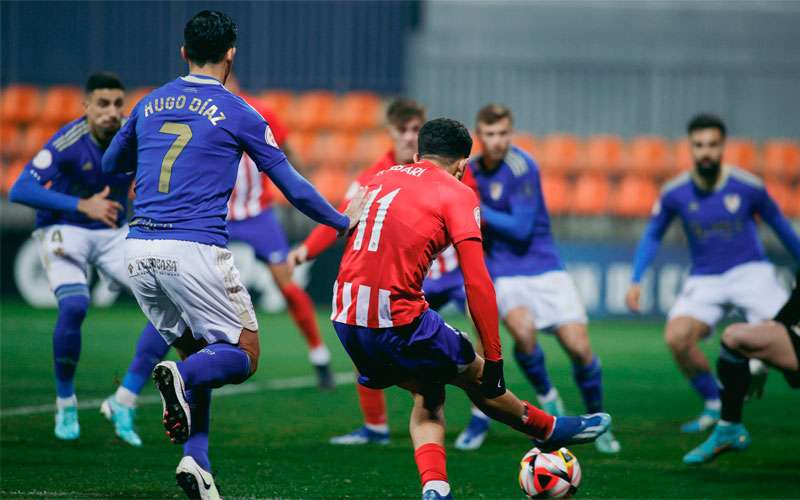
(678,339)
(736,336)
(248,342)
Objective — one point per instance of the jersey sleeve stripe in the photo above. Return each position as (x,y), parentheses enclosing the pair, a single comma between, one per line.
(746,177)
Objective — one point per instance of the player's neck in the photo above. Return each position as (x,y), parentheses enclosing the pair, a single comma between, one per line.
(488,165)
(101,141)
(216,71)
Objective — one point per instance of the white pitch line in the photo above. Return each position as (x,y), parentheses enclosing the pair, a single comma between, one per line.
(281,384)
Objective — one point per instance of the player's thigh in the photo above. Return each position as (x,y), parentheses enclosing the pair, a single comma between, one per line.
(702,298)
(142,260)
(109,255)
(754,287)
(768,341)
(64,251)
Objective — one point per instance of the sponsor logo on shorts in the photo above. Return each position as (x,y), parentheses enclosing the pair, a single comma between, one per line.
(158,265)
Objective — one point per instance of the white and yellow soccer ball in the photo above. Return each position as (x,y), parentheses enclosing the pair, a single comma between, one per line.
(549,475)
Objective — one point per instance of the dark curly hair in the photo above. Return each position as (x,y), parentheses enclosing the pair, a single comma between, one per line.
(445,138)
(208,36)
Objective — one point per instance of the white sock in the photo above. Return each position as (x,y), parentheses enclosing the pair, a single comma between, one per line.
(479,414)
(319,356)
(382,428)
(440,487)
(713,404)
(551,395)
(125,397)
(62,403)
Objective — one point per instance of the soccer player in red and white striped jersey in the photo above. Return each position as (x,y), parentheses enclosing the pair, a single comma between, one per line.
(252,220)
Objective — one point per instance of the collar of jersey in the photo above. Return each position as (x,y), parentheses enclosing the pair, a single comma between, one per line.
(201,79)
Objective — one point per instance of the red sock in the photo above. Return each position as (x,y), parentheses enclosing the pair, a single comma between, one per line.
(431,462)
(373,405)
(539,423)
(302,310)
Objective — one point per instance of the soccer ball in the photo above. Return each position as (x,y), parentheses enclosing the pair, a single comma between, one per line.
(549,475)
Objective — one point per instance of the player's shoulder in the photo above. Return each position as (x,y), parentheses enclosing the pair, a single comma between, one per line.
(450,188)
(519,162)
(70,134)
(675,184)
(742,176)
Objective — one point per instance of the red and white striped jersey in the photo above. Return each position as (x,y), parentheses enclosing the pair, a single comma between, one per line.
(251,194)
(413,212)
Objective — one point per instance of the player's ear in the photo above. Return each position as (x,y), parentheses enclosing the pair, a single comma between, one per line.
(230,54)
(416,158)
(183,54)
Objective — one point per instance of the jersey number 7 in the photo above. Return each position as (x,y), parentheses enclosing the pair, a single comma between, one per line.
(377,226)
(184,134)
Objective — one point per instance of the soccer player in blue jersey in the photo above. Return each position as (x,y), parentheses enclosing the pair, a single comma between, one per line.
(184,141)
(717,206)
(775,342)
(80,222)
(534,292)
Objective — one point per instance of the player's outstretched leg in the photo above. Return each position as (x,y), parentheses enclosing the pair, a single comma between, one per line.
(729,434)
(120,407)
(375,429)
(682,335)
(301,308)
(73,303)
(588,375)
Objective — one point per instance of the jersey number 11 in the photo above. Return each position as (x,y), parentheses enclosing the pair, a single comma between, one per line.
(377,226)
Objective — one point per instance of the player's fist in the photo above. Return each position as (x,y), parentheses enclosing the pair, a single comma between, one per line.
(98,207)
(356,207)
(297,256)
(633,297)
(493,383)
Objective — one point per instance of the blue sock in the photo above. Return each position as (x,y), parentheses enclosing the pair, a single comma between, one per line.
(214,366)
(73,302)
(533,367)
(199,400)
(589,379)
(150,349)
(706,385)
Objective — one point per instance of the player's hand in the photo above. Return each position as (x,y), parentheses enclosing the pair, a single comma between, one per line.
(632,298)
(297,256)
(493,383)
(355,207)
(99,208)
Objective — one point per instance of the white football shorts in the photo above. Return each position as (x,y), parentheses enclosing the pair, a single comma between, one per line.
(752,287)
(68,251)
(551,298)
(181,284)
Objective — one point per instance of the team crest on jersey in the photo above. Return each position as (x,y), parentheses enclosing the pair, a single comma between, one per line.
(270,138)
(693,206)
(732,202)
(43,159)
(477,214)
(496,190)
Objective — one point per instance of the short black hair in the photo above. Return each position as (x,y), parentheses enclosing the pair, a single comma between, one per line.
(706,120)
(103,80)
(208,36)
(446,138)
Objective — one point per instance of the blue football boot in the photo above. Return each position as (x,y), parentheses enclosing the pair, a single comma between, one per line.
(473,436)
(703,422)
(575,430)
(67,427)
(362,435)
(122,417)
(730,437)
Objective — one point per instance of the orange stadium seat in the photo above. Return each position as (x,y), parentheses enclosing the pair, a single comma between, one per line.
(20,104)
(332,183)
(604,153)
(34,138)
(634,196)
(302,146)
(781,193)
(526,142)
(358,111)
(741,153)
(10,173)
(313,111)
(556,191)
(782,159)
(559,152)
(681,157)
(61,104)
(335,147)
(9,140)
(279,102)
(591,194)
(133,97)
(371,146)
(794,206)
(651,155)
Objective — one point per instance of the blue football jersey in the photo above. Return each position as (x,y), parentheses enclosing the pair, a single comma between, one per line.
(720,224)
(71,163)
(185,140)
(516,183)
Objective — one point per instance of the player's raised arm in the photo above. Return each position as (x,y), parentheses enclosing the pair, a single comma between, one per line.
(647,248)
(518,224)
(772,215)
(121,153)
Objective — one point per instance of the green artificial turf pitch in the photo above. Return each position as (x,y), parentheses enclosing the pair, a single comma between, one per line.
(269,441)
